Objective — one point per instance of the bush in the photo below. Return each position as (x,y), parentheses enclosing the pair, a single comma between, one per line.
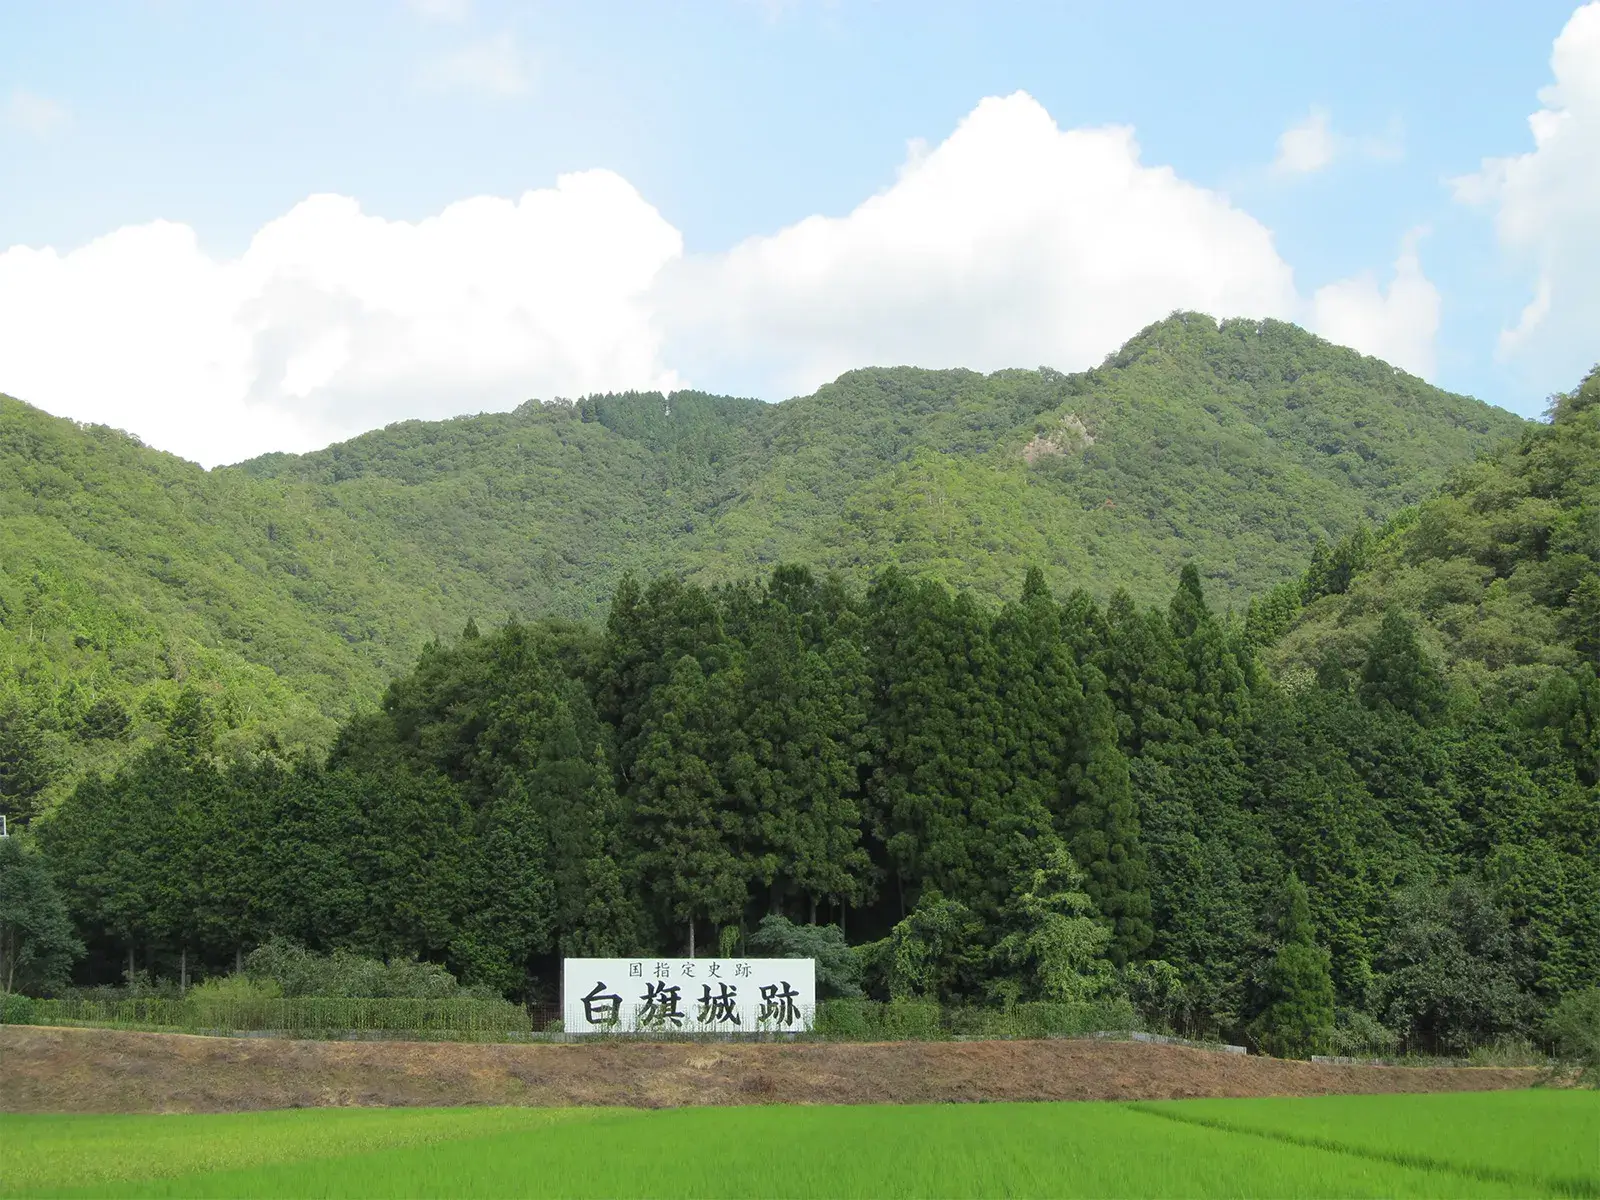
(1357,1034)
(1506,1052)
(875,1021)
(16,1009)
(838,965)
(235,988)
(300,972)
(1575,1029)
(307,1016)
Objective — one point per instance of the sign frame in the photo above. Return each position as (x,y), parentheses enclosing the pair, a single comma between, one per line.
(681,996)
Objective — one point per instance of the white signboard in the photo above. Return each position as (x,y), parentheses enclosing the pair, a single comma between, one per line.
(688,995)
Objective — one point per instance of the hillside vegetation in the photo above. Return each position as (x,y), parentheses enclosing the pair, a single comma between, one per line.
(1501,568)
(1057,803)
(290,589)
(1358,816)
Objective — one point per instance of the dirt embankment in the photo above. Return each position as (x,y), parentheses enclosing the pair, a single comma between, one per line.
(100,1070)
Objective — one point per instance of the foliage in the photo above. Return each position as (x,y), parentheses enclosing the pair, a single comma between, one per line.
(203,1011)
(936,950)
(297,971)
(1500,569)
(1357,1034)
(37,945)
(1038,800)
(1575,1026)
(795,758)
(1449,972)
(838,966)
(287,591)
(1052,948)
(1299,1016)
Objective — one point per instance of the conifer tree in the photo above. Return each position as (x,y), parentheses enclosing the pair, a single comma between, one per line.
(1299,1013)
(1102,829)
(1142,665)
(797,777)
(923,782)
(687,824)
(1212,681)
(1398,674)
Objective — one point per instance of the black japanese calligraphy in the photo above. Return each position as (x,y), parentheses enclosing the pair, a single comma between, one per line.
(661,1004)
(719,1007)
(778,1003)
(607,1004)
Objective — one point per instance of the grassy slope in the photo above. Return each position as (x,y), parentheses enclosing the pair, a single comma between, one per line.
(1460,1146)
(292,588)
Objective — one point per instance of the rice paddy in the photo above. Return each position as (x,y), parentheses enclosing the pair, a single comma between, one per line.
(1529,1143)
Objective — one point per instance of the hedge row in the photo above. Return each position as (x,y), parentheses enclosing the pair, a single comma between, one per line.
(835,1020)
(300,1015)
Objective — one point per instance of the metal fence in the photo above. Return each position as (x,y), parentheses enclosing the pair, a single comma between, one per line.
(500,1020)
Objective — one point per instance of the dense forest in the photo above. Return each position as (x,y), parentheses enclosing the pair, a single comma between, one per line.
(1361,813)
(290,590)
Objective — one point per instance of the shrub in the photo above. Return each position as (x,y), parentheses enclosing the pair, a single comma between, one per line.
(235,987)
(297,971)
(1575,1028)
(873,1021)
(1357,1034)
(1506,1052)
(838,966)
(16,1009)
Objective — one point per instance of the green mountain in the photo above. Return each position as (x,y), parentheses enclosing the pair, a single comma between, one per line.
(1234,447)
(291,588)
(1501,567)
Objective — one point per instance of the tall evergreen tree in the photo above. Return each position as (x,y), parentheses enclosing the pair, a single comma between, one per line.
(1102,829)
(1299,1013)
(1398,674)
(688,825)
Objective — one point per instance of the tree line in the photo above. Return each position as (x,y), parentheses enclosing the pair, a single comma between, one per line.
(1050,799)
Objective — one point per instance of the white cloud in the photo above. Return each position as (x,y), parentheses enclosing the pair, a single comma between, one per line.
(442,10)
(35,115)
(1398,325)
(333,321)
(1313,144)
(494,66)
(1546,208)
(1306,147)
(1011,242)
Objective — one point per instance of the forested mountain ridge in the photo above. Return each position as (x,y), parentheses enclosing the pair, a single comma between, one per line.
(289,589)
(1501,568)
(1355,819)
(1233,446)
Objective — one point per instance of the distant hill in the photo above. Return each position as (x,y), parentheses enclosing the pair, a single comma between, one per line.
(291,588)
(1235,447)
(1501,567)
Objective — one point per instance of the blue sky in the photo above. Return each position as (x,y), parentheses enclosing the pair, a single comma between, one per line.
(733,122)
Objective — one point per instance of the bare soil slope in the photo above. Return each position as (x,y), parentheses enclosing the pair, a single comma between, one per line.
(100,1070)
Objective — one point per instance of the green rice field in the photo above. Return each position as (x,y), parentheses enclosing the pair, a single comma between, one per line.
(1530,1143)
